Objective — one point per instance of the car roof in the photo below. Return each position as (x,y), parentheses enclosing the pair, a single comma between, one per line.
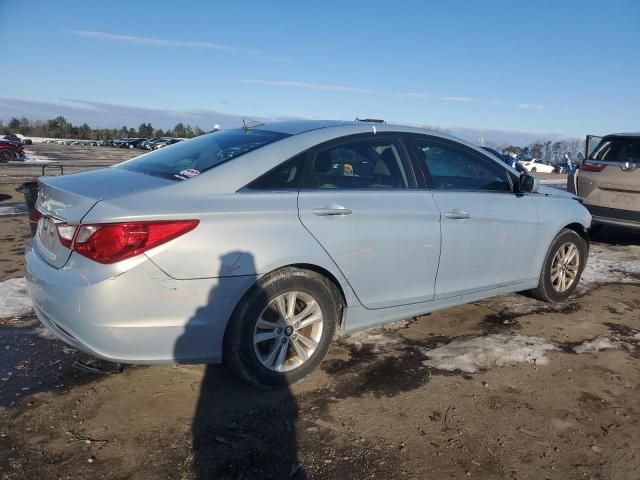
(296,127)
(629,134)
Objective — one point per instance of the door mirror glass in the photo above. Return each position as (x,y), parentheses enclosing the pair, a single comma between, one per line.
(528,183)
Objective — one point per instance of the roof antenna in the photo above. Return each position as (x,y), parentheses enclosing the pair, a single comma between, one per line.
(248,124)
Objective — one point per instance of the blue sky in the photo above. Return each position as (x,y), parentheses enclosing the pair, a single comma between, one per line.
(564,67)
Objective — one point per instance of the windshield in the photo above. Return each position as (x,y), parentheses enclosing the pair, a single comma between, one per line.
(617,150)
(190,158)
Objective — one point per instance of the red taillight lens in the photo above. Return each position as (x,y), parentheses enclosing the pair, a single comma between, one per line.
(112,242)
(592,167)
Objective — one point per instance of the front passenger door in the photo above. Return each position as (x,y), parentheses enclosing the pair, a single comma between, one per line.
(489,234)
(362,205)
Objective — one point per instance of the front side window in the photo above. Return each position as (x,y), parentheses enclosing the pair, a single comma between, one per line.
(192,157)
(453,168)
(372,163)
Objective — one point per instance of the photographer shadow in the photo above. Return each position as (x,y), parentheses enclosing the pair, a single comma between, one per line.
(239,431)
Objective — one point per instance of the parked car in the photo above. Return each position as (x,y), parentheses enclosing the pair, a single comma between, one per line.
(608,181)
(506,159)
(166,142)
(535,165)
(10,150)
(12,137)
(250,246)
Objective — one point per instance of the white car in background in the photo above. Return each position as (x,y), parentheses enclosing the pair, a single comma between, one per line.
(536,165)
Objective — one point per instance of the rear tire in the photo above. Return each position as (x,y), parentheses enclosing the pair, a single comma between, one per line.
(562,268)
(267,348)
(6,156)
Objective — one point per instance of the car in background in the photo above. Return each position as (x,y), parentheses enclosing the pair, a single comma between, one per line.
(10,151)
(508,159)
(608,181)
(165,142)
(537,166)
(147,144)
(179,256)
(505,158)
(17,138)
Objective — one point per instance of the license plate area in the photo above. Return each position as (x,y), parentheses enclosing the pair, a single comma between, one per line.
(48,234)
(615,199)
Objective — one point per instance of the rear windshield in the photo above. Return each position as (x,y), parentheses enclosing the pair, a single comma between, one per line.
(617,150)
(190,158)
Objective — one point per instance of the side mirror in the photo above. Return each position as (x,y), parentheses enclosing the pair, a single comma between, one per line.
(528,183)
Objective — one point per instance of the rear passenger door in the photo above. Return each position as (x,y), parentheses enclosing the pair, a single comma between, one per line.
(489,233)
(361,202)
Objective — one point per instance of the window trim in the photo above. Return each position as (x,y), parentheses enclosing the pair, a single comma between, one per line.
(308,179)
(413,140)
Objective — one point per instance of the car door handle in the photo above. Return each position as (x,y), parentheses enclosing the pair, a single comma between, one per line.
(457,215)
(331,209)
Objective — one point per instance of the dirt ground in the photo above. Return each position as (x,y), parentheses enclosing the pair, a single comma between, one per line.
(377,407)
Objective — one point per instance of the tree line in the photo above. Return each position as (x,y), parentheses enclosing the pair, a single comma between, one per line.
(60,127)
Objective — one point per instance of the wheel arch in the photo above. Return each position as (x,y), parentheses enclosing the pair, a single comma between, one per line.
(579,229)
(301,266)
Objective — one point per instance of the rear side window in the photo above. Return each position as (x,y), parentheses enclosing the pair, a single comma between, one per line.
(370,163)
(192,157)
(617,150)
(283,177)
(453,168)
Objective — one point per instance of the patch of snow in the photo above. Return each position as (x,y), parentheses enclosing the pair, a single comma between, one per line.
(611,264)
(595,345)
(380,338)
(14,298)
(637,336)
(32,157)
(42,332)
(471,355)
(13,209)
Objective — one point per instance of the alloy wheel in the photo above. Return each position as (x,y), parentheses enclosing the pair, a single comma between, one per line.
(565,267)
(288,331)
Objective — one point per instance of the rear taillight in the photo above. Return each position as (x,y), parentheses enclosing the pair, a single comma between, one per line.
(65,234)
(112,242)
(592,167)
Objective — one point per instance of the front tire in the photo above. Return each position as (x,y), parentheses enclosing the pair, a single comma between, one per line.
(562,268)
(282,328)
(6,156)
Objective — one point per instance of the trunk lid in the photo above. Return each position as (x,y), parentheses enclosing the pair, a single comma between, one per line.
(68,198)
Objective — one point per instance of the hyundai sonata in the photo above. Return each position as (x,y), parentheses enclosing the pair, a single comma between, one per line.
(257,246)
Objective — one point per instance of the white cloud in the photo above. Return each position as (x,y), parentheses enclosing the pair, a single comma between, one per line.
(457,99)
(158,42)
(530,106)
(308,86)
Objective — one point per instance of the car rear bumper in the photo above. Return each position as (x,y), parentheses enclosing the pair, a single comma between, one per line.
(614,216)
(141,316)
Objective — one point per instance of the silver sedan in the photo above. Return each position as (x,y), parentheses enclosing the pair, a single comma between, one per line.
(257,246)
